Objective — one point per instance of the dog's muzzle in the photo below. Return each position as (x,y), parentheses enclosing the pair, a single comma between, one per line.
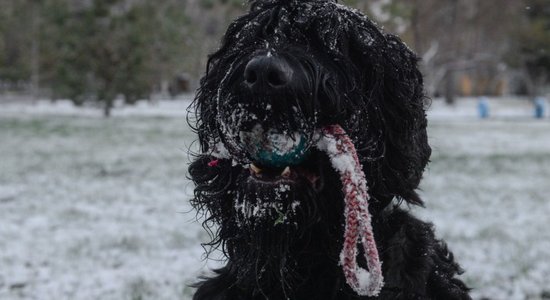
(264,125)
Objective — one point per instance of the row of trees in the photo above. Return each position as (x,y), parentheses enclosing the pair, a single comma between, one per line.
(97,50)
(91,50)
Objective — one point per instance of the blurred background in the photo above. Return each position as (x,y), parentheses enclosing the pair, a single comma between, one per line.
(97,208)
(99,50)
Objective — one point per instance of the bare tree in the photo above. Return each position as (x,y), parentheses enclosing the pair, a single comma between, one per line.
(453,36)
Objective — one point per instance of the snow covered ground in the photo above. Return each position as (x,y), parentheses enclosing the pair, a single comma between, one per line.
(98,209)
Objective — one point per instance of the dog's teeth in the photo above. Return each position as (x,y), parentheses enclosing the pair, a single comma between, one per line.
(286,172)
(255,169)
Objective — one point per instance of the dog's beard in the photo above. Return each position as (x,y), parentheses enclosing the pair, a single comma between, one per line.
(270,225)
(263,207)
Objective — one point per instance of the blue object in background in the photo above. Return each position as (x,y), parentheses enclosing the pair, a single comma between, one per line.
(483,107)
(540,104)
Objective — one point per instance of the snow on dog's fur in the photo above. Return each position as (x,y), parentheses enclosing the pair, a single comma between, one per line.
(292,222)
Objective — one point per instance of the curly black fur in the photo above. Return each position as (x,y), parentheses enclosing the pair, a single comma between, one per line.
(347,72)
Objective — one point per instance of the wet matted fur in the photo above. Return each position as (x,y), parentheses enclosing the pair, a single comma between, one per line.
(282,235)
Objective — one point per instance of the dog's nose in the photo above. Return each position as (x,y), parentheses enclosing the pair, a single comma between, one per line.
(264,73)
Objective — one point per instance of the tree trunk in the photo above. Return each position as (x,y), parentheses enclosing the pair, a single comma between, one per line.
(450,87)
(107,107)
(415,27)
(35,51)
(453,39)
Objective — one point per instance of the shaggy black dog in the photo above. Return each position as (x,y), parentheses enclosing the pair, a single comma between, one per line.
(273,201)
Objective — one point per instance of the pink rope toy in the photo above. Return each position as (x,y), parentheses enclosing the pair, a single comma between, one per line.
(343,157)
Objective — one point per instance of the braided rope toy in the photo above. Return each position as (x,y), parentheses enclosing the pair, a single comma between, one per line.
(343,156)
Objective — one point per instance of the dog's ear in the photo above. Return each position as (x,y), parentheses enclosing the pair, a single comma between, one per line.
(395,95)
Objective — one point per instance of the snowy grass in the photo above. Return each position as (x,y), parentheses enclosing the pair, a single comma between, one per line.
(487,192)
(98,209)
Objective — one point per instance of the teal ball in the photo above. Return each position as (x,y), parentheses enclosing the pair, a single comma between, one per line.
(268,155)
(275,149)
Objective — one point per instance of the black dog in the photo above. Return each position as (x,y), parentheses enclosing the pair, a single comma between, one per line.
(281,207)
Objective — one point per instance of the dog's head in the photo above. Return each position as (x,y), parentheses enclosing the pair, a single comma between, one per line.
(284,70)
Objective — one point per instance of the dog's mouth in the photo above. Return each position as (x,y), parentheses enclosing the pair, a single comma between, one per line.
(307,171)
(276,157)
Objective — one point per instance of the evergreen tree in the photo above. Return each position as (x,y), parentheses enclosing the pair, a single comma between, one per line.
(111,48)
(15,41)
